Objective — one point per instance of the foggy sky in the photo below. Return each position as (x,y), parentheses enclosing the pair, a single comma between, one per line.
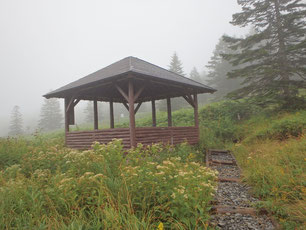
(45,44)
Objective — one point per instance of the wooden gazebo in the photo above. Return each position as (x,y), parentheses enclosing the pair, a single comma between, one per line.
(130,81)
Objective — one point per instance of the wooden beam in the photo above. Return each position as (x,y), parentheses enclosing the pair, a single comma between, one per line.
(76,102)
(69,109)
(132,114)
(169,112)
(126,106)
(70,103)
(190,102)
(153,113)
(137,107)
(71,116)
(139,92)
(122,92)
(196,112)
(111,114)
(95,114)
(66,116)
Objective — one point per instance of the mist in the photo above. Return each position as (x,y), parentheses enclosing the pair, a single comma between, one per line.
(47,44)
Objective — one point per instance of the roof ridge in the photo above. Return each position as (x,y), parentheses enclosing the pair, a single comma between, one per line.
(171,72)
(130,63)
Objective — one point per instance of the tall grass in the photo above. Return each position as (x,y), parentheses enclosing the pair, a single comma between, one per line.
(58,188)
(272,156)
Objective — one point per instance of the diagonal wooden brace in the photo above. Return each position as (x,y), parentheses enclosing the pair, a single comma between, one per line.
(122,92)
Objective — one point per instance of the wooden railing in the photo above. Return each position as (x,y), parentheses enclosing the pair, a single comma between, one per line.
(144,135)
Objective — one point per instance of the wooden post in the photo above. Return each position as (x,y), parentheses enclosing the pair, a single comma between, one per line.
(95,115)
(66,116)
(111,114)
(132,115)
(196,115)
(153,114)
(169,112)
(196,112)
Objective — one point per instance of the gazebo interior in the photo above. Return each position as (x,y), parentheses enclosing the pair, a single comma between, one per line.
(130,81)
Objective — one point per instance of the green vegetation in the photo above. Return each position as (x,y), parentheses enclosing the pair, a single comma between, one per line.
(270,147)
(272,157)
(46,186)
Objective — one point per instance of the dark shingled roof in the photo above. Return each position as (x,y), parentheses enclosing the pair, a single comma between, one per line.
(134,66)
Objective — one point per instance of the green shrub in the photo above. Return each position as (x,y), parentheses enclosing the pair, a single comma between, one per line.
(12,150)
(221,121)
(290,126)
(105,188)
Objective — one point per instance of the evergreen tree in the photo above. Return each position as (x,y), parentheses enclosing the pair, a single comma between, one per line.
(51,117)
(274,58)
(218,68)
(89,112)
(195,75)
(176,65)
(16,124)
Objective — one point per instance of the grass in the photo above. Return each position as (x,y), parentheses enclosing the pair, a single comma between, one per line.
(47,186)
(44,185)
(272,157)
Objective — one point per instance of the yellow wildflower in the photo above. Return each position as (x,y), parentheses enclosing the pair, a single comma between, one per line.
(160,226)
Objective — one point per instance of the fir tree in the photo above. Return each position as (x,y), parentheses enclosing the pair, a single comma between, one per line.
(218,68)
(176,65)
(274,58)
(51,117)
(195,75)
(89,112)
(16,124)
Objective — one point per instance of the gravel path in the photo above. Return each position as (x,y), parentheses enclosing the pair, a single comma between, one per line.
(222,157)
(233,194)
(239,221)
(229,171)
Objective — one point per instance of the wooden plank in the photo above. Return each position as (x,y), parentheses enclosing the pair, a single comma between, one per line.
(223,162)
(90,143)
(228,179)
(95,139)
(218,150)
(100,131)
(230,209)
(144,135)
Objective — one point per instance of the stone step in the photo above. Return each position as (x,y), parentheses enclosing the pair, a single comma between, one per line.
(228,179)
(223,162)
(232,209)
(218,151)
